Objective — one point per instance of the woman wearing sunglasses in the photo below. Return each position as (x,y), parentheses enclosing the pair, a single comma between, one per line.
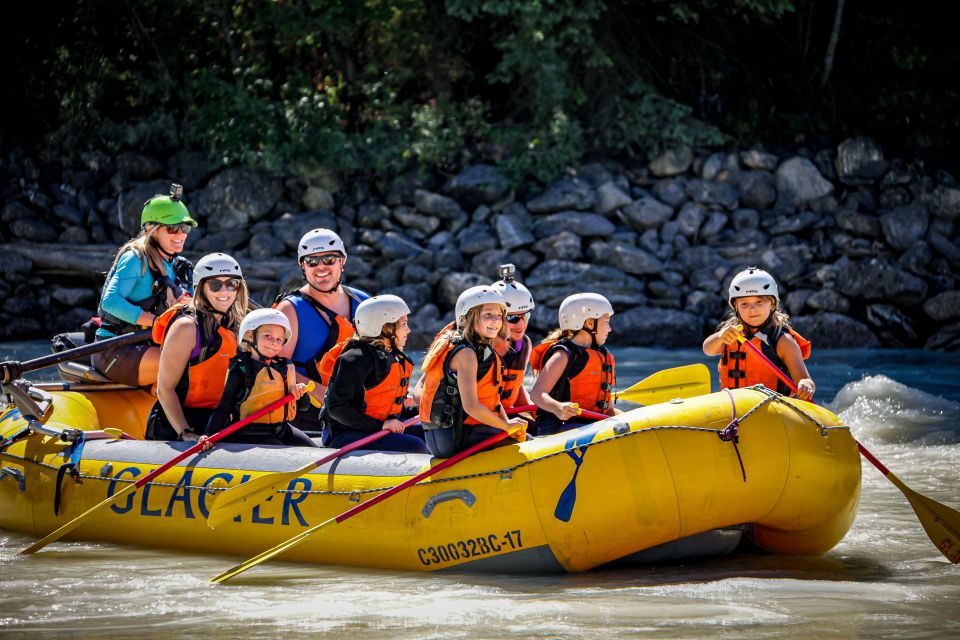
(197,340)
(147,277)
(321,314)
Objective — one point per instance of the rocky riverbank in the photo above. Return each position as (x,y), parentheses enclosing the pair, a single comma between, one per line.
(866,249)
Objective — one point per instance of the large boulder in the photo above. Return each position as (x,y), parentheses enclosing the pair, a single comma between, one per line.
(672,162)
(943,306)
(905,226)
(573,193)
(860,161)
(236,197)
(434,204)
(835,331)
(799,181)
(453,284)
(553,280)
(582,224)
(757,189)
(653,327)
(476,185)
(130,204)
(877,279)
(610,197)
(645,213)
(944,202)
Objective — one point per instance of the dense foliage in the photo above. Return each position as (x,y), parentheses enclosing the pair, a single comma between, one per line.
(373,88)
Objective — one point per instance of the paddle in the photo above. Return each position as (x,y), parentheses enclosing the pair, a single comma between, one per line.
(196,448)
(346,515)
(11,370)
(941,523)
(663,386)
(245,496)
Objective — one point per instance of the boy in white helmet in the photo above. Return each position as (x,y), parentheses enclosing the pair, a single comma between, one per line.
(370,379)
(320,314)
(257,377)
(756,316)
(576,371)
(462,385)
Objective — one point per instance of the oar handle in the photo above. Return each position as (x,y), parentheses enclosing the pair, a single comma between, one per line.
(220,435)
(85,350)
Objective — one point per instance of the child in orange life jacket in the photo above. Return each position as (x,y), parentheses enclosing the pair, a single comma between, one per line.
(256,377)
(515,349)
(754,300)
(462,385)
(576,370)
(370,380)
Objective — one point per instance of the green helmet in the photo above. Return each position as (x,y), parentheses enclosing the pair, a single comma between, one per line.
(166,209)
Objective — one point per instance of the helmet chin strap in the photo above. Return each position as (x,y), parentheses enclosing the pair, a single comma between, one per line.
(592,332)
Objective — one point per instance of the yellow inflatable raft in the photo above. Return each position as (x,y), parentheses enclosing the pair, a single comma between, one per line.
(788,470)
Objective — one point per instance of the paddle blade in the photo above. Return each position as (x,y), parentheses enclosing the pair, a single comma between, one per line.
(941,523)
(76,522)
(679,382)
(246,496)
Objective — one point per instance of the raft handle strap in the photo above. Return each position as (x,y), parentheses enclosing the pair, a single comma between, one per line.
(72,467)
(731,433)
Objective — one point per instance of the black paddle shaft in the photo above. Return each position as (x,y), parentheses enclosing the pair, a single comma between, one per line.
(12,369)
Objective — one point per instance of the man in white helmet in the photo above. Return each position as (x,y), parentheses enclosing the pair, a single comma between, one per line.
(515,349)
(320,312)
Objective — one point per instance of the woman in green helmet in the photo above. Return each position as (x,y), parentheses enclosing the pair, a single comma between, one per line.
(147,277)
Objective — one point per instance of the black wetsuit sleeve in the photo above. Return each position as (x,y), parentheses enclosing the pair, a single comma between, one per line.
(232,392)
(345,394)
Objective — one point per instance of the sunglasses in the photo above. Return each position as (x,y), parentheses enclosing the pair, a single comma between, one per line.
(231,285)
(328,259)
(174,229)
(516,319)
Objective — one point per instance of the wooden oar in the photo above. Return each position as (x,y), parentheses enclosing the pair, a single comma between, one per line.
(663,386)
(246,496)
(76,522)
(346,515)
(941,523)
(12,370)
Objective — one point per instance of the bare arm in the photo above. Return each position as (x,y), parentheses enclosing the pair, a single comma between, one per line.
(789,352)
(547,379)
(714,344)
(180,340)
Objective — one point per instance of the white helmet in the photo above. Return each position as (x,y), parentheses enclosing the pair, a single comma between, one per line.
(377,311)
(575,310)
(214,265)
(319,241)
(477,297)
(260,317)
(753,282)
(518,297)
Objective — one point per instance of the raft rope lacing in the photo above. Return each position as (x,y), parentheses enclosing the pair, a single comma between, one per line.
(772,396)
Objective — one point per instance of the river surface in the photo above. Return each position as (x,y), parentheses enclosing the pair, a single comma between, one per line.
(884,580)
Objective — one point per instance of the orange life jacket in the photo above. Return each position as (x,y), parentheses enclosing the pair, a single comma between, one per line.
(329,361)
(265,383)
(739,367)
(201,384)
(589,377)
(440,386)
(384,399)
(514,368)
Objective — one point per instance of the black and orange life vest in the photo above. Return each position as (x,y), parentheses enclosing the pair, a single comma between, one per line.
(440,404)
(265,383)
(739,367)
(201,384)
(385,391)
(589,377)
(514,368)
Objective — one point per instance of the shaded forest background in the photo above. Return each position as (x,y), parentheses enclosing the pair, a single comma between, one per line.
(369,89)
